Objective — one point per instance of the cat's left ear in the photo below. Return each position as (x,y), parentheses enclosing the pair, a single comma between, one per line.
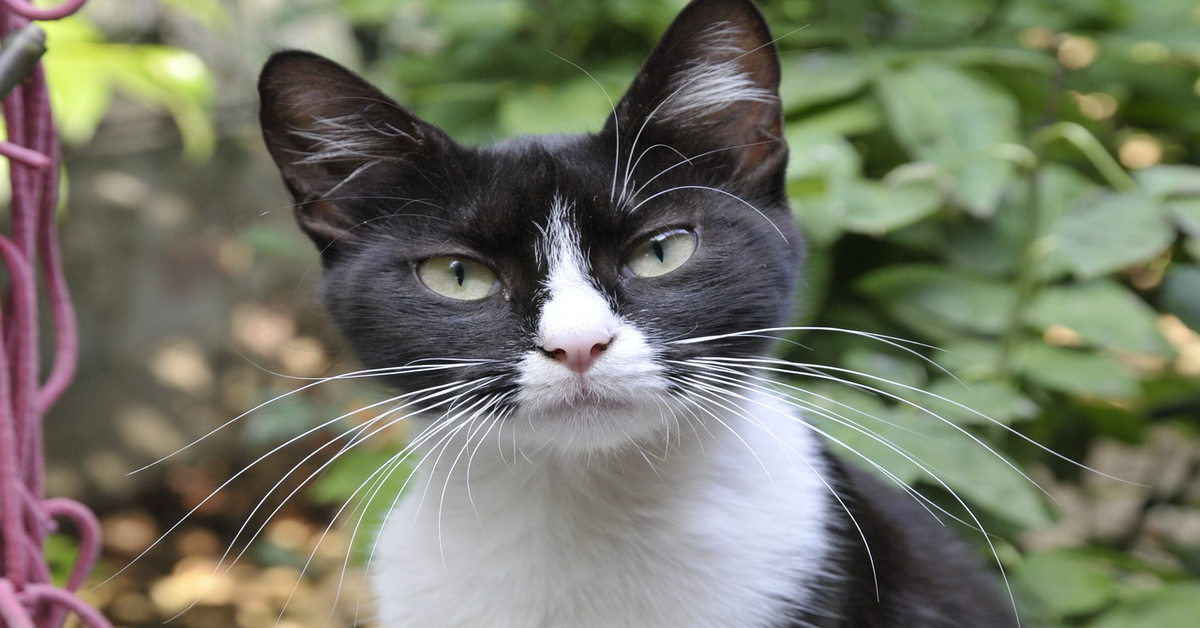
(326,127)
(711,86)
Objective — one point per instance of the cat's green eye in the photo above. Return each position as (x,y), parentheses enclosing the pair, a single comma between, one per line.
(661,253)
(458,278)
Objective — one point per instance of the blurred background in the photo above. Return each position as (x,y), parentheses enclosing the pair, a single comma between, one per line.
(1012,182)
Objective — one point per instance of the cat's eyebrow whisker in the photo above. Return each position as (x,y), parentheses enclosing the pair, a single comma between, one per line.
(751,94)
(685,160)
(612,106)
(361,224)
(367,197)
(710,188)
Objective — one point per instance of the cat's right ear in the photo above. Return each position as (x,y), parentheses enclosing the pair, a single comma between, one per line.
(325,126)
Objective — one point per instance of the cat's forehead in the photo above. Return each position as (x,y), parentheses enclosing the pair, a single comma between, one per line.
(529,187)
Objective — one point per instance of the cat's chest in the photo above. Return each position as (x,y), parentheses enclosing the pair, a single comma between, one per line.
(725,541)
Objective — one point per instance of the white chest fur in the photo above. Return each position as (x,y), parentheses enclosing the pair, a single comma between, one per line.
(713,529)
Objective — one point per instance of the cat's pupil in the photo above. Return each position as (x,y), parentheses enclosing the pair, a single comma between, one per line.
(460,273)
(658,250)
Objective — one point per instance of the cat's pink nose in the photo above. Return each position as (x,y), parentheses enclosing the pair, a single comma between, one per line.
(578,351)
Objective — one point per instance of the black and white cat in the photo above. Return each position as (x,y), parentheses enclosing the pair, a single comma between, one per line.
(577,321)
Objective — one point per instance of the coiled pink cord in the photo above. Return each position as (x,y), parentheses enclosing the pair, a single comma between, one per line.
(30,255)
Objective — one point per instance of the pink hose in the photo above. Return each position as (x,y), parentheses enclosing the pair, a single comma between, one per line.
(30,254)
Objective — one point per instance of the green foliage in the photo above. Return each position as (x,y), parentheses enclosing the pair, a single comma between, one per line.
(1005,180)
(61,553)
(85,71)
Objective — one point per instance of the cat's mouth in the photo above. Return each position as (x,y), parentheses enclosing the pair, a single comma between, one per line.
(587,395)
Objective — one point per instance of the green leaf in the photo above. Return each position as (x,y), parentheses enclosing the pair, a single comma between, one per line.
(820,77)
(1181,293)
(979,403)
(1164,181)
(61,552)
(83,71)
(350,478)
(970,359)
(80,90)
(856,117)
(915,446)
(1059,186)
(818,214)
(348,472)
(1069,582)
(1173,606)
(930,298)
(882,368)
(573,107)
(1185,212)
(992,247)
(1103,233)
(852,421)
(817,152)
(953,16)
(1078,372)
(1104,313)
(953,118)
(877,208)
(821,164)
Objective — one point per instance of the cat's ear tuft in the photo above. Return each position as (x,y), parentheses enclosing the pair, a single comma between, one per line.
(712,84)
(325,127)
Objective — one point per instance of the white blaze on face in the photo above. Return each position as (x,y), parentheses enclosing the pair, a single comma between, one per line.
(594,377)
(577,324)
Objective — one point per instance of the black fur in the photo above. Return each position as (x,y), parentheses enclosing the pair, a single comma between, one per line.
(407,191)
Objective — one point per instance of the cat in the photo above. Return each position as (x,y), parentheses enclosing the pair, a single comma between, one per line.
(578,324)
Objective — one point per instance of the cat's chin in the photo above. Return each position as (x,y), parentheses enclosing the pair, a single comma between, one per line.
(590,422)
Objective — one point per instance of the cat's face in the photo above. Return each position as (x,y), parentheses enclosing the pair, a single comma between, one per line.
(555,283)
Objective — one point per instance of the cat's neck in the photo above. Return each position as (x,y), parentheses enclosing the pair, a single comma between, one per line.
(697,519)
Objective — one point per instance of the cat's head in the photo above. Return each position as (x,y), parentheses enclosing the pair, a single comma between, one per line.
(557,282)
